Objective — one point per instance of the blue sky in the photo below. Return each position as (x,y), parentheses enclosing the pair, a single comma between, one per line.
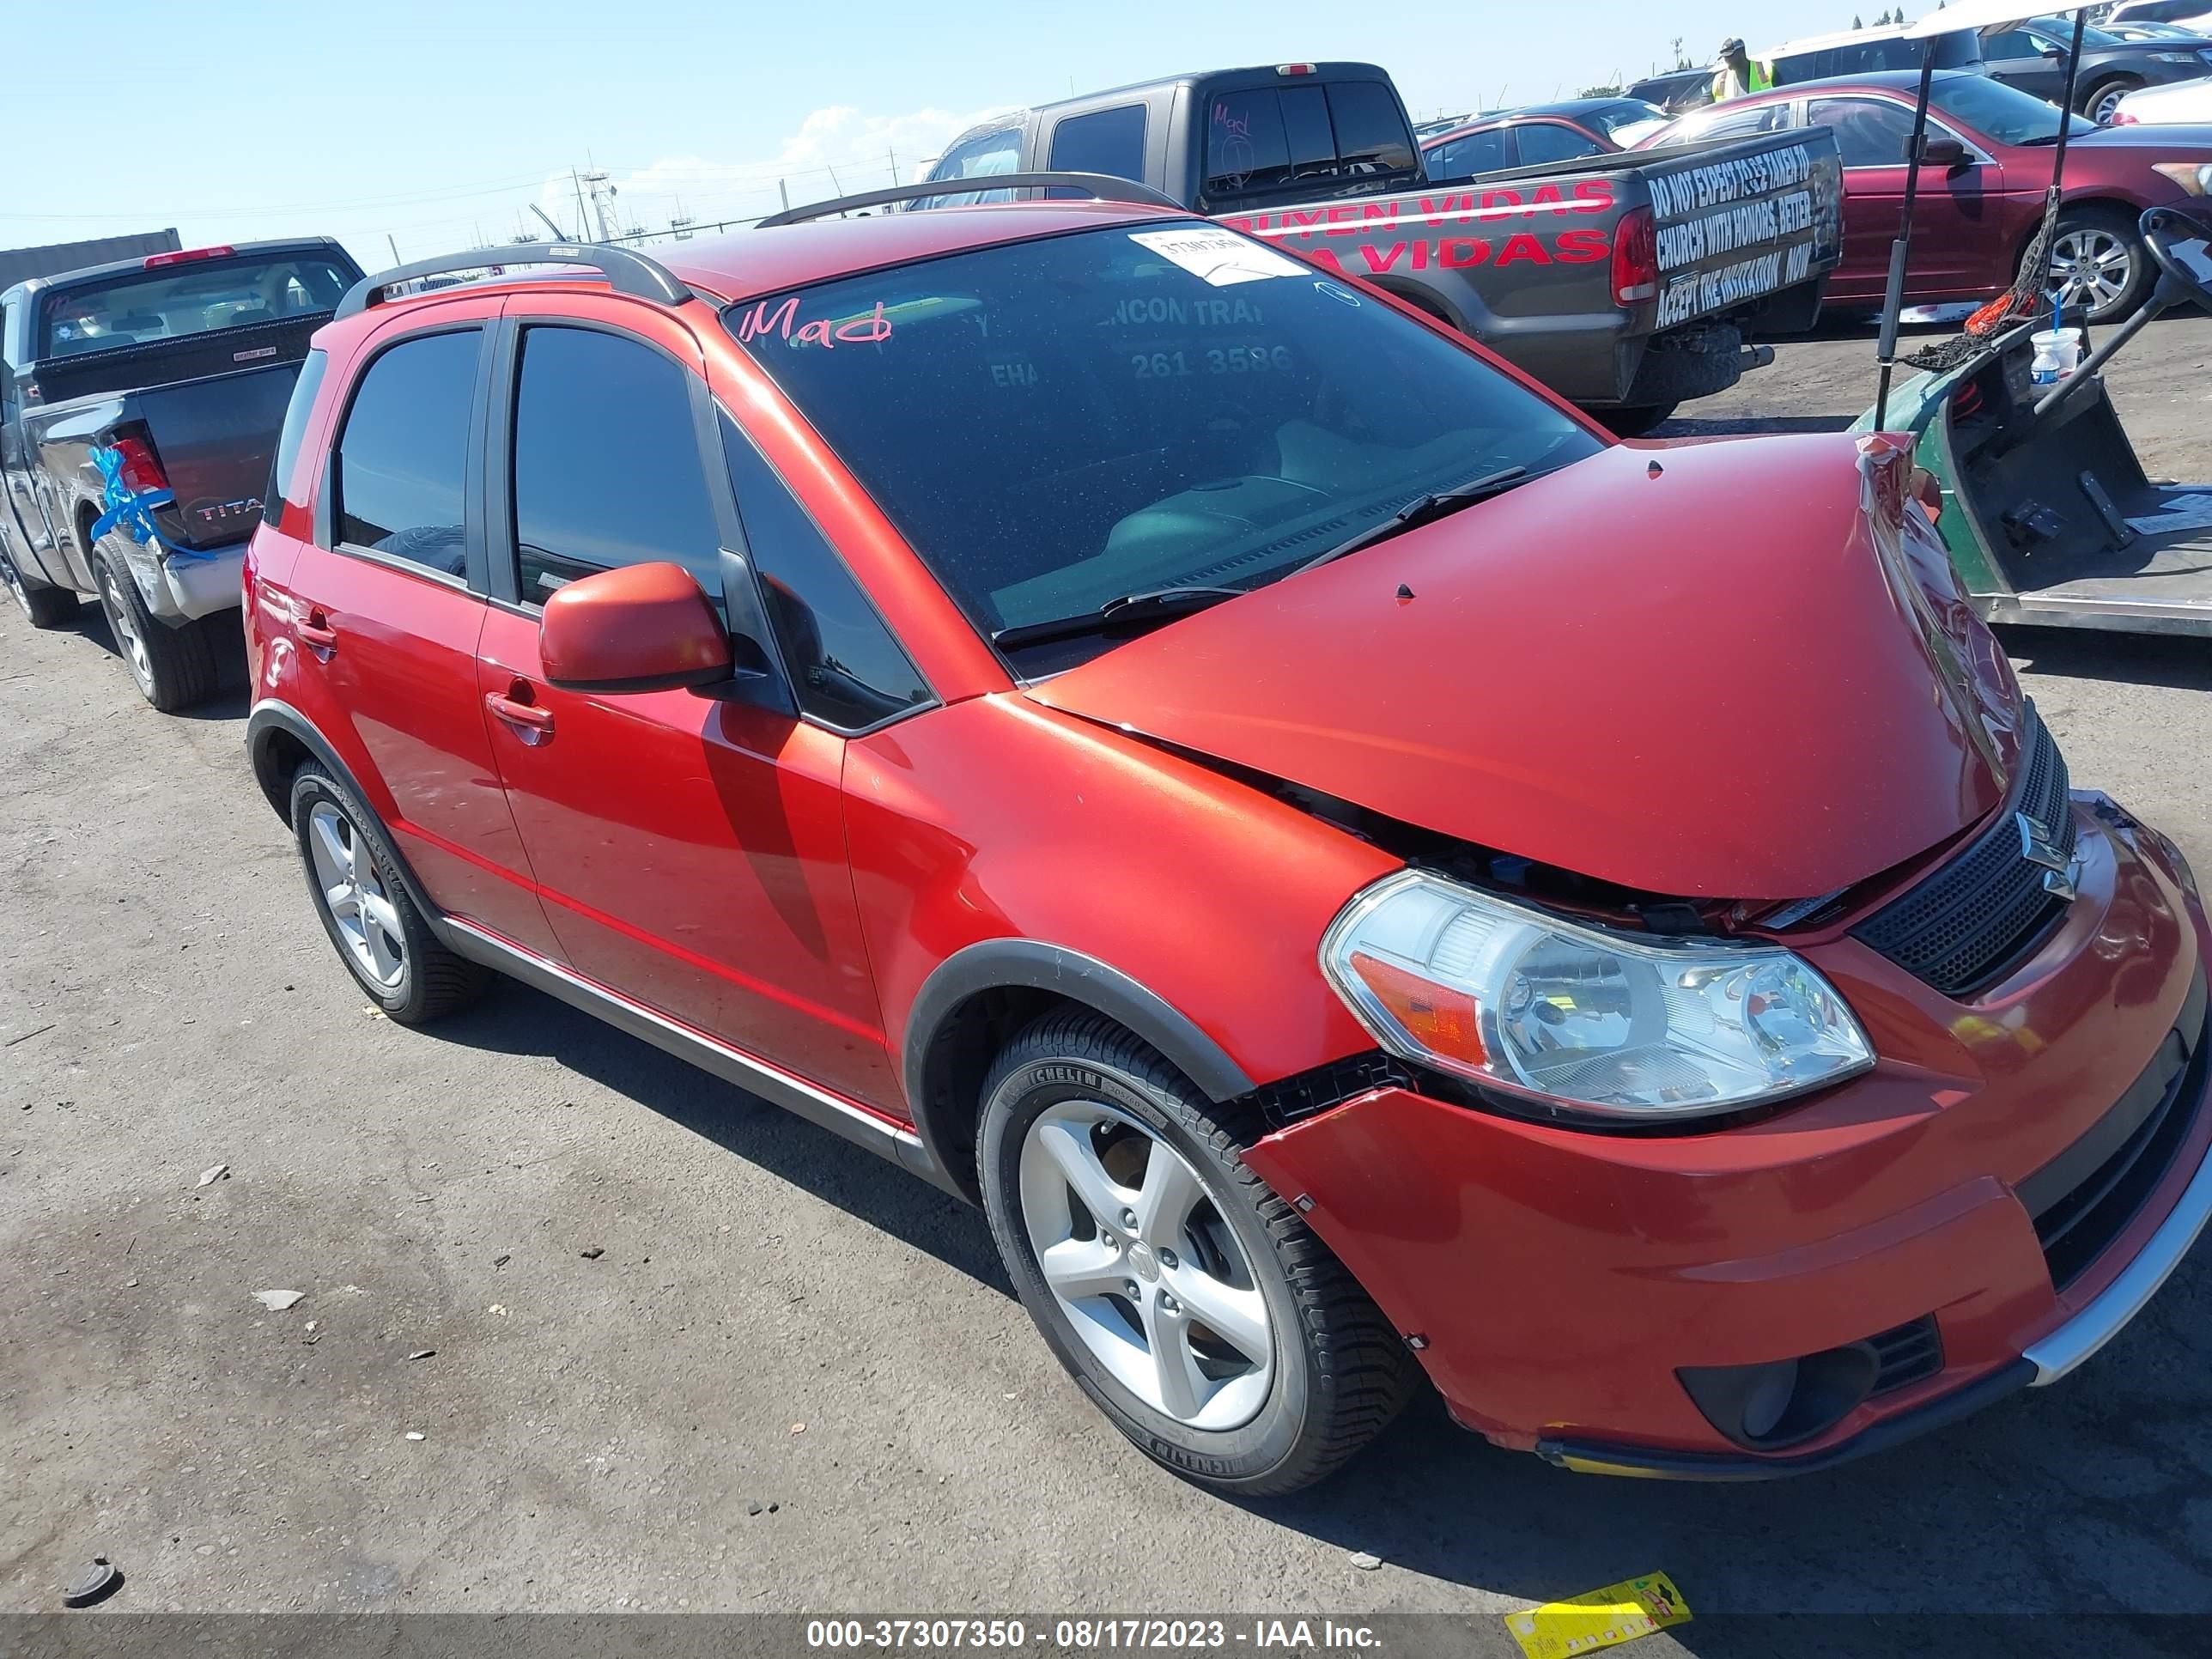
(436,126)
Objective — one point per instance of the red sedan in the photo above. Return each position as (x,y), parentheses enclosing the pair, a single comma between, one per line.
(1331,851)
(1982,197)
(1540,134)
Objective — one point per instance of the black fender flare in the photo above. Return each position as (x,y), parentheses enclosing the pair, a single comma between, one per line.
(271,718)
(1030,964)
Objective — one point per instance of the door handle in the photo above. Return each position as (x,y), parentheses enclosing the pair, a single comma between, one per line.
(535,725)
(316,632)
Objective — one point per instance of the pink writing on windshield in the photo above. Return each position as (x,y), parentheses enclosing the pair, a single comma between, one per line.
(783,322)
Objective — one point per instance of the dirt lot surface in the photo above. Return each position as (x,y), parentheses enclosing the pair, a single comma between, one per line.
(796,1380)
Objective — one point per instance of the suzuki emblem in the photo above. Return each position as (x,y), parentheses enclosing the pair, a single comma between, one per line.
(2037,848)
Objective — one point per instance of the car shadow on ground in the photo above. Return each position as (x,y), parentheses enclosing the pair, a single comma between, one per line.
(1955,1522)
(233,684)
(2088,654)
(519,1020)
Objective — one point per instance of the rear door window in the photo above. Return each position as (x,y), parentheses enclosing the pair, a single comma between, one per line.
(1107,141)
(1869,132)
(1548,141)
(1479,152)
(1729,121)
(607,469)
(402,459)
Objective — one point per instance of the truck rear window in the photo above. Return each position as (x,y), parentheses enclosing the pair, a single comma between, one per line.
(1055,423)
(1270,136)
(169,303)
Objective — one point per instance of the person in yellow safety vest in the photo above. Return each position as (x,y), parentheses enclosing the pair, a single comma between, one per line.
(1735,74)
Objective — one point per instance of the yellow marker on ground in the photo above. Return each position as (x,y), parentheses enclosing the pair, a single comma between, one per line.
(1602,1618)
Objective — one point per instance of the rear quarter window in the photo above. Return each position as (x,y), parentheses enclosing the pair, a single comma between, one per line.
(1107,141)
(284,470)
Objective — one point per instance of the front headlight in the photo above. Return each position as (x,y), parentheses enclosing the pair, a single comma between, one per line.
(1597,1022)
(2195,177)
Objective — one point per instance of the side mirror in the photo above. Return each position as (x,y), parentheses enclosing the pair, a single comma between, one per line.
(641,628)
(2055,54)
(1947,153)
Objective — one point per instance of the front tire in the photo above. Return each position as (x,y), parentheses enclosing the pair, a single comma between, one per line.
(2102,100)
(1190,1302)
(173,667)
(379,934)
(2099,263)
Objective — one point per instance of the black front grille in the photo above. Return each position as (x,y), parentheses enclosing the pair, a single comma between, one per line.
(1987,909)
(2085,1198)
(1910,1354)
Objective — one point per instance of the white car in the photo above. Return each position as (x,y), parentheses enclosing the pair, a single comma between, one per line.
(2195,16)
(2184,103)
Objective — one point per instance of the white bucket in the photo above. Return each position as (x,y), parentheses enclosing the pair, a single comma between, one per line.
(2057,354)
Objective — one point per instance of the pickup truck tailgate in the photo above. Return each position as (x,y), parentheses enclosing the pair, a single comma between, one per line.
(215,440)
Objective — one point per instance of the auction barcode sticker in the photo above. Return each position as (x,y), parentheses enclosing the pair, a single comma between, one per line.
(1217,257)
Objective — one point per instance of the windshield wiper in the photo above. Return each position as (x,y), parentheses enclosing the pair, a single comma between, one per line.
(1420,510)
(1148,604)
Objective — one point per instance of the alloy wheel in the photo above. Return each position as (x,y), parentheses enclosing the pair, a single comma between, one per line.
(2108,105)
(1150,1276)
(347,877)
(117,611)
(2090,267)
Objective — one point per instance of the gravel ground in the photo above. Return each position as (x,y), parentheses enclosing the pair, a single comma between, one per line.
(794,1379)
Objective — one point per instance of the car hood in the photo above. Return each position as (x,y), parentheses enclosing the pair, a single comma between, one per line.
(1717,670)
(2191,136)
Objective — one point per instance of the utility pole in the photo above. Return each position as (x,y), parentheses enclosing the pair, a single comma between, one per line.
(893,153)
(583,220)
(785,194)
(833,184)
(394,247)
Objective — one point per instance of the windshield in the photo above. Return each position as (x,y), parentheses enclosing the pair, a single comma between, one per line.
(2001,112)
(2060,31)
(1058,423)
(1627,120)
(193,297)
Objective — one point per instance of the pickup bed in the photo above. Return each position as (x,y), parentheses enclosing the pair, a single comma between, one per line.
(1627,282)
(143,405)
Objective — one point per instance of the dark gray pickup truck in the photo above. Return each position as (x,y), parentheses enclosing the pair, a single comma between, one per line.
(140,408)
(1628,283)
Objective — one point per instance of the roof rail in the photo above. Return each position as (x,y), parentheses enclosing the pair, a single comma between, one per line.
(631,273)
(1098,185)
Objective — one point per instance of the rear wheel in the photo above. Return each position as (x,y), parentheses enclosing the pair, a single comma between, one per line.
(46,607)
(1637,423)
(381,937)
(174,667)
(2099,263)
(1188,1300)
(2102,100)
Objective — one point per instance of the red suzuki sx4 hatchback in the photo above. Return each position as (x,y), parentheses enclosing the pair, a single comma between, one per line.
(1360,874)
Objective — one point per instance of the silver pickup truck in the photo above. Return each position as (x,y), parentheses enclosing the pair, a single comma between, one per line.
(1628,283)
